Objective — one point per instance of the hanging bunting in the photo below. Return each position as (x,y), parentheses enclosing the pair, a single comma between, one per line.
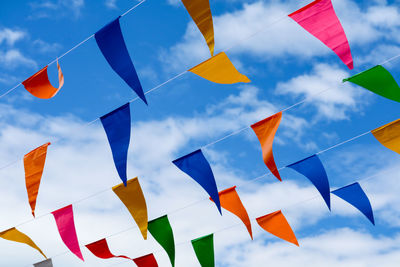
(133,198)
(275,223)
(146,261)
(112,45)
(196,166)
(45,263)
(265,131)
(13,234)
(40,86)
(313,169)
(379,81)
(33,165)
(101,250)
(219,69)
(356,196)
(389,135)
(161,230)
(320,20)
(204,249)
(230,201)
(66,227)
(200,12)
(117,125)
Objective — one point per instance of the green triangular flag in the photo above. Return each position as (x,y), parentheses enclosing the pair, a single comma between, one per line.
(204,249)
(379,81)
(161,230)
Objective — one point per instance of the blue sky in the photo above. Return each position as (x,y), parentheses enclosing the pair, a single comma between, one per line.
(285,64)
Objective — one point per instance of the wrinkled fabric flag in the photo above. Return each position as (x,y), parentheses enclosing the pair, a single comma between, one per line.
(265,131)
(146,261)
(356,196)
(219,69)
(196,166)
(379,81)
(13,234)
(45,263)
(313,169)
(66,227)
(33,164)
(319,19)
(161,230)
(133,198)
(200,12)
(101,250)
(112,45)
(40,86)
(204,249)
(389,135)
(117,125)
(275,223)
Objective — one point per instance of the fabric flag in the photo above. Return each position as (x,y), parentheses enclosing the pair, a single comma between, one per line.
(13,234)
(133,198)
(275,223)
(45,263)
(356,196)
(204,249)
(313,169)
(146,261)
(117,125)
(379,81)
(100,249)
(66,227)
(230,201)
(219,69)
(196,166)
(265,131)
(33,165)
(319,19)
(389,135)
(161,230)
(112,45)
(40,86)
(200,12)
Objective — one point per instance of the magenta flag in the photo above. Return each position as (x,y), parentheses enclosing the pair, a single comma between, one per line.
(319,19)
(66,227)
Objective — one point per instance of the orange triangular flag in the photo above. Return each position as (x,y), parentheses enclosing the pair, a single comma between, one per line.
(34,164)
(265,131)
(276,224)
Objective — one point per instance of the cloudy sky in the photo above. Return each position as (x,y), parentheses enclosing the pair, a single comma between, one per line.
(285,64)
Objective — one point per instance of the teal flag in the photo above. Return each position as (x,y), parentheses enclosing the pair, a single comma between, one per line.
(161,230)
(204,249)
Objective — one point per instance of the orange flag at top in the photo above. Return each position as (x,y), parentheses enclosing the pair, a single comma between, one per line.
(265,131)
(40,86)
(34,164)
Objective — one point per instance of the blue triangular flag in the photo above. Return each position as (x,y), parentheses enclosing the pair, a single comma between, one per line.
(356,196)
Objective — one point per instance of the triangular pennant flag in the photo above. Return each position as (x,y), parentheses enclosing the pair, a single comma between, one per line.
(133,198)
(200,12)
(196,166)
(219,69)
(100,249)
(45,263)
(230,201)
(112,45)
(204,249)
(146,261)
(319,19)
(275,223)
(313,169)
(379,81)
(40,86)
(13,234)
(389,135)
(64,218)
(161,230)
(265,131)
(356,196)
(33,165)
(117,125)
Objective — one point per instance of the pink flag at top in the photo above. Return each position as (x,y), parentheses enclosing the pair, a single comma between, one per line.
(319,19)
(66,227)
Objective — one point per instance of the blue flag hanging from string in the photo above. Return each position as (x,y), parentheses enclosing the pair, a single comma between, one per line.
(356,196)
(112,45)
(196,166)
(117,125)
(313,169)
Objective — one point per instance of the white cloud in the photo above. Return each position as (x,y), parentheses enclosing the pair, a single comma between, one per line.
(13,58)
(46,8)
(11,36)
(111,4)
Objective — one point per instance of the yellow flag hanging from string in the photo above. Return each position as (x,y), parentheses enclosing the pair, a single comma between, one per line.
(13,234)
(389,135)
(219,69)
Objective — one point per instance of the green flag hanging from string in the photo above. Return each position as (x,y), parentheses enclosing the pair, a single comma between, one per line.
(161,230)
(204,249)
